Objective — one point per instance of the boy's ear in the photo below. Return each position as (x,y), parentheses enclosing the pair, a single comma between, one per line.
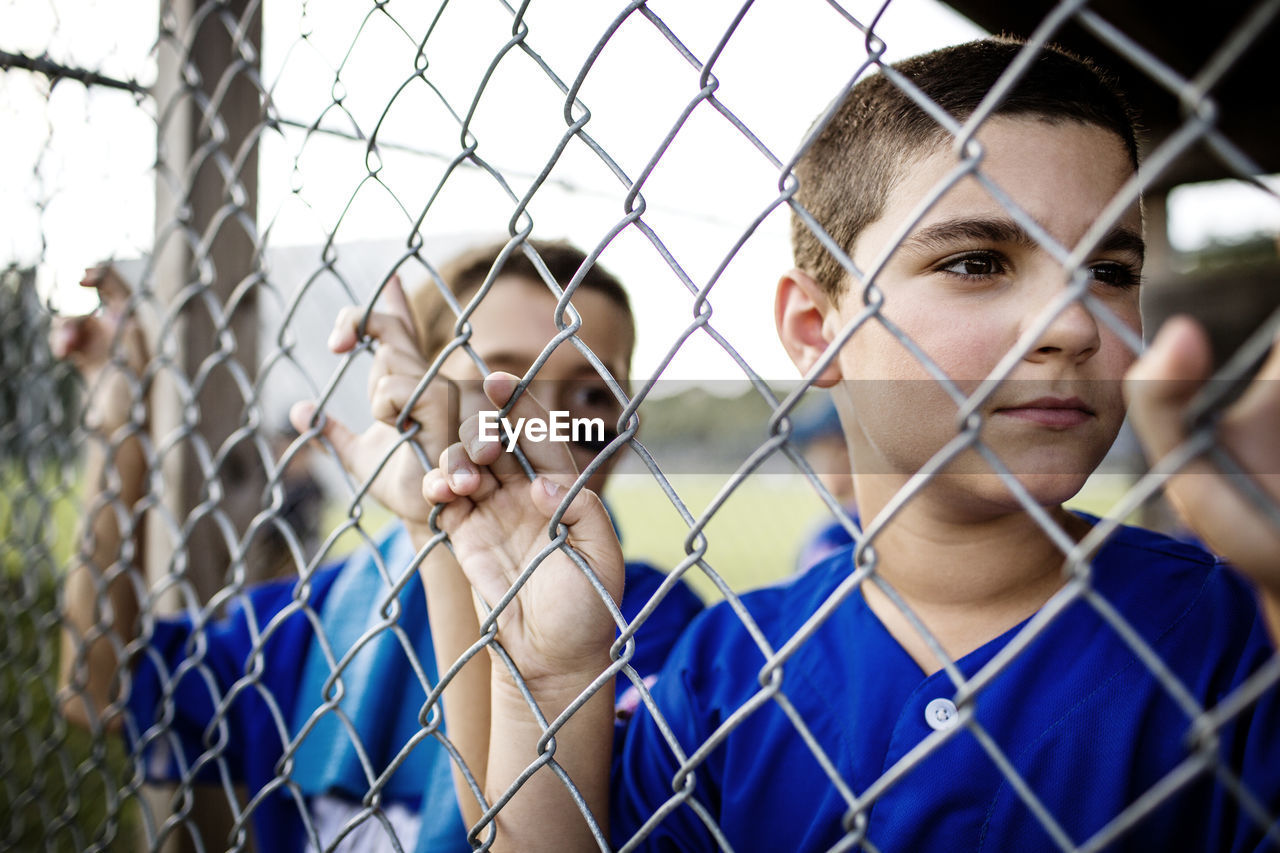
(800,311)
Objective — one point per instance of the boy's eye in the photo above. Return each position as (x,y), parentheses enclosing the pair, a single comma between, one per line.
(592,398)
(1115,274)
(974,265)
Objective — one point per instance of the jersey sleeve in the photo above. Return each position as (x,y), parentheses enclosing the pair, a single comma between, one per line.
(1217,651)
(645,765)
(658,633)
(692,695)
(1247,818)
(202,698)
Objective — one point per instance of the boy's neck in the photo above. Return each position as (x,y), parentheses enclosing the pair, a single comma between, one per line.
(969,579)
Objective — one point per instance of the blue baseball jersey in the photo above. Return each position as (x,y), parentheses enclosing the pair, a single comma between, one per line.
(1076,714)
(825,540)
(203,705)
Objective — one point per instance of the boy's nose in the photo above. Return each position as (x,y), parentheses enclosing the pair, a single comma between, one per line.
(1073,334)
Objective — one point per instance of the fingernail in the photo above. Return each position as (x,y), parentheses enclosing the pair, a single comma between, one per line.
(499,386)
(302,413)
(552,488)
(459,474)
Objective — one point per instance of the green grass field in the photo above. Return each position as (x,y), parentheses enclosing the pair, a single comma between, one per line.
(752,540)
(59,787)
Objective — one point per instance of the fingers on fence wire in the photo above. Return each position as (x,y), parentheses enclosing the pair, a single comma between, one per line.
(548,457)
(107,348)
(1230,514)
(475,470)
(87,340)
(458,476)
(396,395)
(392,327)
(303,418)
(111,288)
(398,369)
(478,463)
(400,403)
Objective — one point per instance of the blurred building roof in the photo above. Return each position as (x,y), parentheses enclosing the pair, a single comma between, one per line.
(1184,35)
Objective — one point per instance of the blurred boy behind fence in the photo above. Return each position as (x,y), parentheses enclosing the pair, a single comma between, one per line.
(247,699)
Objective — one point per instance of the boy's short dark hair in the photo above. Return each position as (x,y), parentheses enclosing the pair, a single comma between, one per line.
(466,272)
(847,173)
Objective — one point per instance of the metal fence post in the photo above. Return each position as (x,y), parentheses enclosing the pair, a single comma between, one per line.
(209,107)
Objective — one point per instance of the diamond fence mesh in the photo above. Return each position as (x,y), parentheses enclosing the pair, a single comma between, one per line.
(236,631)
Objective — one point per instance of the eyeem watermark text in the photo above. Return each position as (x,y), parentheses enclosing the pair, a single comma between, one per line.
(557,426)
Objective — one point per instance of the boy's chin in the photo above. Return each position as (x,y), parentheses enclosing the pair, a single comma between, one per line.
(972,497)
(969,487)
(1052,489)
(989,495)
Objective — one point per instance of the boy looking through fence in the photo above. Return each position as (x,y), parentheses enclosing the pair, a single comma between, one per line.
(946,685)
(308,758)
(510,327)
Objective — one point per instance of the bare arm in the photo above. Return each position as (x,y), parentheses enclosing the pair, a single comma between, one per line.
(482,698)
(542,816)
(557,630)
(100,608)
(397,370)
(98,622)
(454,631)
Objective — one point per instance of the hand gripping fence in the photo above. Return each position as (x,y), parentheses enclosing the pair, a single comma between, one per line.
(272,134)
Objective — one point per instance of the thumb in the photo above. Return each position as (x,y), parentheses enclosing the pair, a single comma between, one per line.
(591,530)
(1163,382)
(394,299)
(302,416)
(112,290)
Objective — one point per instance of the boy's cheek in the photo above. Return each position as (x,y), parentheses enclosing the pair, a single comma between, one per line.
(873,353)
(897,424)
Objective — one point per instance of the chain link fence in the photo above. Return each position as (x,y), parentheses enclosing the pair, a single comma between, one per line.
(249,169)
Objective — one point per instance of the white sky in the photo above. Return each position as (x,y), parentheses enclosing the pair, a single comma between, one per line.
(1221,211)
(705,191)
(77,174)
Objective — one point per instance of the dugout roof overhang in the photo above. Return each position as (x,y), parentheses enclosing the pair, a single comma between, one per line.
(1184,35)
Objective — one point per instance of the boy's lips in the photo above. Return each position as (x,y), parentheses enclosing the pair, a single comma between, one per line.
(1055,412)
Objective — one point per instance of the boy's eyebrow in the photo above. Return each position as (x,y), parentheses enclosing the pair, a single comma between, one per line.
(511,362)
(519,363)
(1122,239)
(942,236)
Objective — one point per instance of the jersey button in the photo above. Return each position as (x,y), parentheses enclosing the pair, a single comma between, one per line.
(941,714)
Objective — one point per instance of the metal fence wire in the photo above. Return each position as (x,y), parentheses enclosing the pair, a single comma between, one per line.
(228,164)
